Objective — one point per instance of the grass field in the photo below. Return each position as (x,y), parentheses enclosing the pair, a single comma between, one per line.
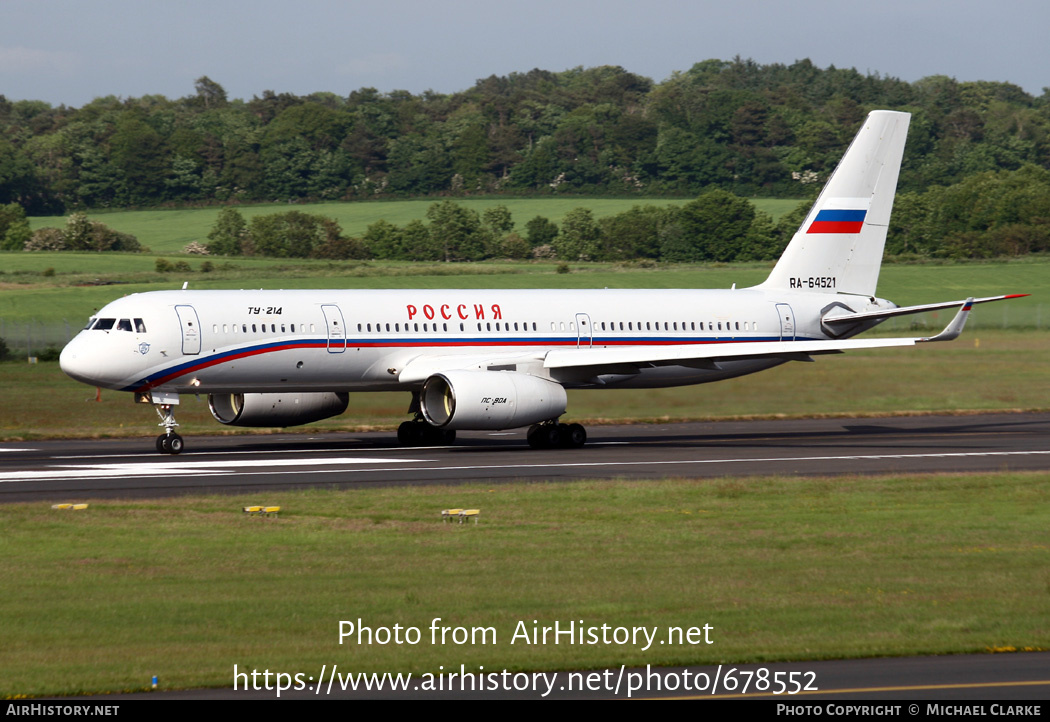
(69,294)
(168,231)
(781,568)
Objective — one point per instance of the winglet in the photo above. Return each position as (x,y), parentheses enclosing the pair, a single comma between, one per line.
(953,329)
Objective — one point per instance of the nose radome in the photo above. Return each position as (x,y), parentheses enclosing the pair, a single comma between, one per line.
(81,361)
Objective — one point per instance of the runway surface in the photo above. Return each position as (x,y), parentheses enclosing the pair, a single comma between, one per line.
(75,470)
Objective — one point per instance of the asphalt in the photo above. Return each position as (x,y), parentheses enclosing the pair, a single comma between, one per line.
(131,468)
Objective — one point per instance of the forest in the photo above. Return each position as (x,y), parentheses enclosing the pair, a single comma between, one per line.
(975,180)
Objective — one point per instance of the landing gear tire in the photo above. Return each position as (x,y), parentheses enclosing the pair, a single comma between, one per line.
(170,443)
(554,436)
(408,434)
(575,436)
(420,433)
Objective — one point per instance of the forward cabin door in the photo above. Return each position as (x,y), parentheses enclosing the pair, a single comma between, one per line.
(333,318)
(191,330)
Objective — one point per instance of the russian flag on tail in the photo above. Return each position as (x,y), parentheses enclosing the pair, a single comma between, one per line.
(840,215)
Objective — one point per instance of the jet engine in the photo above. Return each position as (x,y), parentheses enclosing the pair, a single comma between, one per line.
(276,409)
(490,400)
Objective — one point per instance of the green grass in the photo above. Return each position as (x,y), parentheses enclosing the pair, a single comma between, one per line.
(168,231)
(983,371)
(781,568)
(25,293)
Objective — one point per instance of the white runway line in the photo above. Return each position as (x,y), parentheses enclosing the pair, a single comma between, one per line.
(177,468)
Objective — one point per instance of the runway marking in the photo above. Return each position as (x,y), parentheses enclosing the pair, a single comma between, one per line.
(3,450)
(234,452)
(180,468)
(232,467)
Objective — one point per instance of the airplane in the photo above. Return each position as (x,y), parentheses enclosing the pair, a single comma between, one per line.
(503,359)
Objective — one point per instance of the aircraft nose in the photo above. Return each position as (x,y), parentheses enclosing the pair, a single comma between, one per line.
(78,363)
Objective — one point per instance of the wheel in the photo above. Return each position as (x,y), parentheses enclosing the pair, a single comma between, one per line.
(536,437)
(160,444)
(576,436)
(406,433)
(552,436)
(175,444)
(430,435)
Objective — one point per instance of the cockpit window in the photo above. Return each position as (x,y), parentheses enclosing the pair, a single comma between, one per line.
(90,322)
(104,324)
(124,324)
(140,326)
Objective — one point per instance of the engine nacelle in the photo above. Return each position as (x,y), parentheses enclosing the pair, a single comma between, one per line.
(490,400)
(276,409)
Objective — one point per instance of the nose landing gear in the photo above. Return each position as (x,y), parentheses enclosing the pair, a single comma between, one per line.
(169,442)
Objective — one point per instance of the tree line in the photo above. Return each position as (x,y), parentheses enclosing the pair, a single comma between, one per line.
(717,226)
(987,215)
(991,214)
(739,126)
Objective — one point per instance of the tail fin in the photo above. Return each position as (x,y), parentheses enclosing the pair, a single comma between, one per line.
(838,248)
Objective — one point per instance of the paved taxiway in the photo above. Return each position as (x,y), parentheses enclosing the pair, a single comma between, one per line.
(74,470)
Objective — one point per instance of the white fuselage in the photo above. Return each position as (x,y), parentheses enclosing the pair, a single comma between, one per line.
(351,340)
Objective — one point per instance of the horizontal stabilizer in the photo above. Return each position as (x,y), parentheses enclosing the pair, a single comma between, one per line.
(848,318)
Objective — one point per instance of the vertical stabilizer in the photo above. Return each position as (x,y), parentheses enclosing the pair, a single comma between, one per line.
(838,248)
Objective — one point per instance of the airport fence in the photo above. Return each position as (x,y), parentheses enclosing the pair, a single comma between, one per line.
(35,339)
(43,340)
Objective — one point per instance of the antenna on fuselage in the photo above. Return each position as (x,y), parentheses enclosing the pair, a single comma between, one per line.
(185,285)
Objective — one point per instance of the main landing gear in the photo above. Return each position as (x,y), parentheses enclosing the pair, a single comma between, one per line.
(552,435)
(419,433)
(169,442)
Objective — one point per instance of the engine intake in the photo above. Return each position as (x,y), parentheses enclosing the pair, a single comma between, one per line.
(276,409)
(487,400)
